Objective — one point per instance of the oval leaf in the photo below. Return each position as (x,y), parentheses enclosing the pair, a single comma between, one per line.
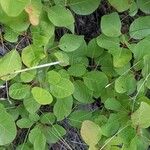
(10,63)
(63,107)
(32,55)
(62,89)
(90,132)
(140,27)
(7,128)
(84,7)
(141,116)
(123,5)
(60,16)
(42,96)
(13,7)
(70,42)
(111,25)
(19,91)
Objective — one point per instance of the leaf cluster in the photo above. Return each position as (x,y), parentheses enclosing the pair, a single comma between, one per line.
(103,70)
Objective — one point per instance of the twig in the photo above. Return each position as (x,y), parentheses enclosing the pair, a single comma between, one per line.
(7,93)
(32,68)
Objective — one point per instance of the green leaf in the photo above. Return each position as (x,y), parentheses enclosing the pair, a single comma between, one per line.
(24,146)
(123,69)
(90,132)
(126,83)
(112,104)
(31,105)
(139,143)
(62,89)
(141,49)
(41,95)
(40,142)
(77,117)
(42,33)
(37,138)
(32,55)
(70,42)
(77,70)
(93,50)
(64,73)
(53,77)
(148,83)
(112,126)
(19,91)
(106,62)
(144,6)
(63,107)
(60,16)
(140,88)
(115,143)
(55,133)
(111,25)
(109,43)
(10,35)
(146,68)
(47,118)
(34,117)
(83,7)
(79,52)
(127,134)
(123,5)
(60,2)
(14,113)
(121,58)
(24,123)
(7,128)
(14,8)
(95,80)
(62,57)
(141,117)
(140,27)
(22,111)
(82,93)
(78,60)
(28,76)
(133,9)
(34,134)
(9,63)
(18,24)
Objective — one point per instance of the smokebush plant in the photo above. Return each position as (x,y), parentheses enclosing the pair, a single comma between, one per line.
(58,74)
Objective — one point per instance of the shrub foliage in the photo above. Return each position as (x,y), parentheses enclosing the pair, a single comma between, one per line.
(68,73)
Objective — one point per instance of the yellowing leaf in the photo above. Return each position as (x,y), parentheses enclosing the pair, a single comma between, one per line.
(34,11)
(90,132)
(41,95)
(141,116)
